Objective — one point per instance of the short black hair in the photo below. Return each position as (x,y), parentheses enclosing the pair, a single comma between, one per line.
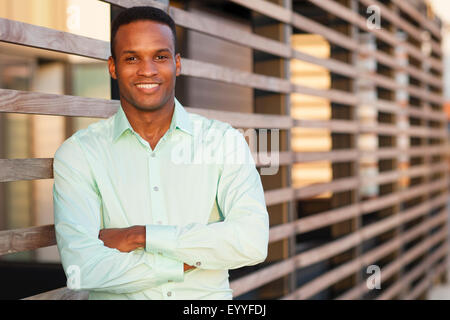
(141,13)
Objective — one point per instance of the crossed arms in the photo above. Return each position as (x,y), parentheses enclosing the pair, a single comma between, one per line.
(127,239)
(139,257)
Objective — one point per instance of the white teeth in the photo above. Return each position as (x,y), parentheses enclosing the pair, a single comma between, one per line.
(147,85)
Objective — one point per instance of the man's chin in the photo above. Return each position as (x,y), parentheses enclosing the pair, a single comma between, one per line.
(148,107)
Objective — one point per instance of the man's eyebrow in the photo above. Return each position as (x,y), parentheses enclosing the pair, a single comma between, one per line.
(164,49)
(157,51)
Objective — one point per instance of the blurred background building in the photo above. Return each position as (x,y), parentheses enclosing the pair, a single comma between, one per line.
(356,94)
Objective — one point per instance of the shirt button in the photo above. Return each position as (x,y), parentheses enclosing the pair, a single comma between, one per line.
(169,294)
(155,188)
(153,155)
(198,263)
(159,222)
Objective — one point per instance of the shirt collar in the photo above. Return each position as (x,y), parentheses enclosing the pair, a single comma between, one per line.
(180,120)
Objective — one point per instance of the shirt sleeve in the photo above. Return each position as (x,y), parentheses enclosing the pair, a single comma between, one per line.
(241,239)
(77,213)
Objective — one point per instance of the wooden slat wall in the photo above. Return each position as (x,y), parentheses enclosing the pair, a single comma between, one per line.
(403,229)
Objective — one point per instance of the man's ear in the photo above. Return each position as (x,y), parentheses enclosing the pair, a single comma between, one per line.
(178,64)
(112,68)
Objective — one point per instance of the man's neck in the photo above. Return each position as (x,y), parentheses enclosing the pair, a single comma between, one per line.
(150,125)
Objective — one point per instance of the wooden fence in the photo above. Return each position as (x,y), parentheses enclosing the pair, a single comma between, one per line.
(319,247)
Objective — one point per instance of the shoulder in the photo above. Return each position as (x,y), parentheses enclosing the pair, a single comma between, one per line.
(97,135)
(218,138)
(208,127)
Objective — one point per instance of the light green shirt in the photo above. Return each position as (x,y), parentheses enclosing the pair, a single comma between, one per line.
(198,193)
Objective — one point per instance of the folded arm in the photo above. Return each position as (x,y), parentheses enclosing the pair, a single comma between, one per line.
(77,210)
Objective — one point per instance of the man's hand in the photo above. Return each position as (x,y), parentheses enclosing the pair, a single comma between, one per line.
(187,267)
(127,239)
(123,239)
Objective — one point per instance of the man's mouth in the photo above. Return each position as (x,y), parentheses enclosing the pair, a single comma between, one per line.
(147,85)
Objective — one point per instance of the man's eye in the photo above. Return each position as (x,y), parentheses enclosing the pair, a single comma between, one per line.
(131,59)
(161,57)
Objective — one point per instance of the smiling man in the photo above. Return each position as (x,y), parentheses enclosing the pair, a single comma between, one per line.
(137,215)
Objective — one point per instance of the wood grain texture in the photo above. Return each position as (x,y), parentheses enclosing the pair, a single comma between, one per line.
(60,294)
(136,3)
(12,241)
(267,8)
(39,37)
(14,101)
(25,169)
(214,72)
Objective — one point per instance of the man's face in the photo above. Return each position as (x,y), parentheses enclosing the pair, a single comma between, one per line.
(146,65)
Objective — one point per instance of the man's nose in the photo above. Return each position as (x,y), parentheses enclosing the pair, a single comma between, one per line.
(147,68)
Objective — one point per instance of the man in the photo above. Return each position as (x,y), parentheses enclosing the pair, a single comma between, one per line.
(155,202)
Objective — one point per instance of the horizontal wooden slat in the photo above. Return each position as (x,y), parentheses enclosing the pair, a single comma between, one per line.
(332,125)
(25,169)
(19,240)
(214,72)
(332,65)
(273,159)
(279,196)
(318,188)
(267,8)
(335,156)
(51,104)
(261,277)
(347,126)
(246,120)
(39,37)
(137,3)
(60,294)
(228,31)
(326,218)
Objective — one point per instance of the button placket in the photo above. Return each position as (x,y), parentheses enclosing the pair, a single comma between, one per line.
(157,201)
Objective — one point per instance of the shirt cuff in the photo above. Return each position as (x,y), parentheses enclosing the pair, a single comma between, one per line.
(169,270)
(160,239)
